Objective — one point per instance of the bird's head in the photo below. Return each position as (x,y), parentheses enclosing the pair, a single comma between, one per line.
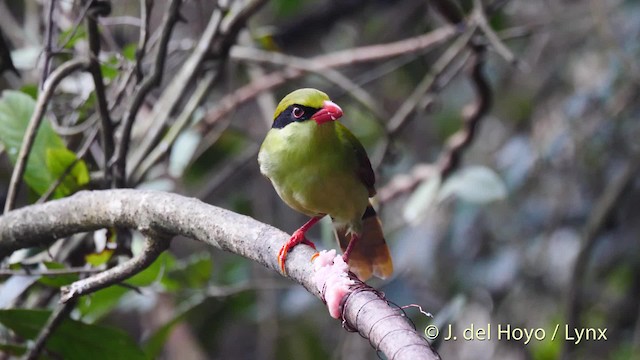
(305,104)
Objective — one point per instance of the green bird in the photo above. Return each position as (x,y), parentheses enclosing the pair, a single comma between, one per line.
(318,167)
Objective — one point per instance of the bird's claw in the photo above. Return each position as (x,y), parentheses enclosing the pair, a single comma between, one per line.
(297,238)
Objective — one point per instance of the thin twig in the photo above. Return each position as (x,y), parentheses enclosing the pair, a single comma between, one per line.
(358,93)
(406,182)
(491,35)
(155,243)
(56,318)
(176,129)
(472,115)
(458,142)
(210,44)
(48,272)
(146,7)
(474,112)
(232,167)
(120,157)
(74,129)
(172,93)
(429,83)
(332,60)
(47,47)
(34,123)
(101,103)
(77,23)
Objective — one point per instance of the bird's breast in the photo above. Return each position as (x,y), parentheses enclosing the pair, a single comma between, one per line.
(313,175)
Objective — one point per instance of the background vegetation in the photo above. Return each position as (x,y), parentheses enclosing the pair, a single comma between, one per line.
(537,226)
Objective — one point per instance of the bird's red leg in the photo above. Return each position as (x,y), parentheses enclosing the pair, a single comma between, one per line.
(297,238)
(352,244)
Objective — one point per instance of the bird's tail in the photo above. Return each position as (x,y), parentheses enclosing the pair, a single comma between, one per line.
(370,254)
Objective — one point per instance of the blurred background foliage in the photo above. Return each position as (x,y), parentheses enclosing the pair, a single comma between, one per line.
(497,242)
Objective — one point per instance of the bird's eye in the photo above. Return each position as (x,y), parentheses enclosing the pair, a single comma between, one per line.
(297,112)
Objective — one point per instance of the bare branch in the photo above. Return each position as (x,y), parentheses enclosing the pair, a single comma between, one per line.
(172,93)
(154,245)
(145,8)
(119,159)
(257,55)
(332,60)
(48,272)
(47,47)
(171,214)
(492,37)
(404,183)
(474,112)
(209,44)
(176,129)
(34,123)
(459,141)
(101,103)
(430,83)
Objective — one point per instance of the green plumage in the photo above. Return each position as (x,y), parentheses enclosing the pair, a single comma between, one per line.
(315,170)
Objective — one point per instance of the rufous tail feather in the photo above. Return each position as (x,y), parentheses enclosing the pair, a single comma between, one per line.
(370,254)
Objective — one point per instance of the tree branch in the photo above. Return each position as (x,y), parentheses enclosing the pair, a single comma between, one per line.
(328,61)
(472,115)
(216,41)
(171,214)
(119,159)
(101,98)
(154,245)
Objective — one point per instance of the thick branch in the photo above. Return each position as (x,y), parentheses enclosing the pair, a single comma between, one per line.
(171,214)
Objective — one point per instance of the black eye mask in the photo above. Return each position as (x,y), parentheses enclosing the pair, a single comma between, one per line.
(286,117)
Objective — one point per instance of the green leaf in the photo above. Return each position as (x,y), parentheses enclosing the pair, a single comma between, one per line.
(285,8)
(58,161)
(476,184)
(195,272)
(12,349)
(73,339)
(68,38)
(109,68)
(154,272)
(95,306)
(57,280)
(129,51)
(97,259)
(31,90)
(49,156)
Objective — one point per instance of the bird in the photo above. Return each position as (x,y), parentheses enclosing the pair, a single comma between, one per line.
(319,168)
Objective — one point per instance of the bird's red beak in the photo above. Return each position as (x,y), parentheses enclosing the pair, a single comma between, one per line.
(329,112)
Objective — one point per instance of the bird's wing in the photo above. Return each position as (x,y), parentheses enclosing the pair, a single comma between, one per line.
(363,168)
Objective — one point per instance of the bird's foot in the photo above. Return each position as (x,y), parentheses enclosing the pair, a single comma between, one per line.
(297,238)
(347,252)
